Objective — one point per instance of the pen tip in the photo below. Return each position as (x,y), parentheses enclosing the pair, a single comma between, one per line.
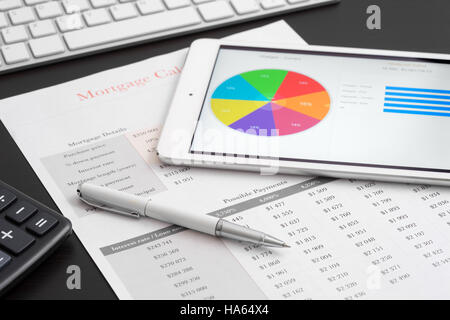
(274,242)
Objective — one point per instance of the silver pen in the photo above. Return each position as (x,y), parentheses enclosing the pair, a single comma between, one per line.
(131,205)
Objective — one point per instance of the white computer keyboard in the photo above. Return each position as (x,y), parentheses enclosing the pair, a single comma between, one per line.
(42,31)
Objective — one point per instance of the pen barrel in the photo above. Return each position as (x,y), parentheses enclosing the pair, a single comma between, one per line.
(234,231)
(179,216)
(113,198)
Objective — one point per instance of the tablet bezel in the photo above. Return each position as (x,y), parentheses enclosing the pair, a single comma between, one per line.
(179,129)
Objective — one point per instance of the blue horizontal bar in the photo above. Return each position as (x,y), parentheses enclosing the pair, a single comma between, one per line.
(426,113)
(445,103)
(414,106)
(417,95)
(418,90)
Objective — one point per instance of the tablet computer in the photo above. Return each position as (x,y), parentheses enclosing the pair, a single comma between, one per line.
(339,112)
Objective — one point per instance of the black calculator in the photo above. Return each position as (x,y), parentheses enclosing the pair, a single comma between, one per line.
(29,232)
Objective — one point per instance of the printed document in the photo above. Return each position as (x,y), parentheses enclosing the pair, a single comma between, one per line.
(349,239)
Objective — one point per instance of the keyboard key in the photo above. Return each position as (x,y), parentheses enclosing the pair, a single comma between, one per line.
(3,21)
(4,259)
(126,29)
(15,53)
(245,6)
(216,10)
(271,4)
(50,9)
(46,46)
(175,4)
(73,6)
(42,28)
(70,22)
(6,198)
(14,34)
(21,210)
(9,4)
(33,2)
(41,223)
(201,1)
(21,16)
(150,6)
(14,239)
(124,11)
(96,17)
(102,3)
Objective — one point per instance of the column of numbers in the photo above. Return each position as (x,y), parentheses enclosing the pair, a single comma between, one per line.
(312,248)
(351,227)
(178,270)
(403,222)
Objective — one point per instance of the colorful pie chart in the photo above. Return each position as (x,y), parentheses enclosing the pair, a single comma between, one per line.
(270,102)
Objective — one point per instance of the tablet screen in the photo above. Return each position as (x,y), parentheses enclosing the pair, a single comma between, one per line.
(327,107)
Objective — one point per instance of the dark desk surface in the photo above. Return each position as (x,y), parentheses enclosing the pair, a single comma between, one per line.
(414,25)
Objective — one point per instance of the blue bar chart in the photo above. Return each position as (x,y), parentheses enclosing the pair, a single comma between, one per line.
(417,101)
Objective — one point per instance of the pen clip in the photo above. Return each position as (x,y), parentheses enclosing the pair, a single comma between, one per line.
(106,208)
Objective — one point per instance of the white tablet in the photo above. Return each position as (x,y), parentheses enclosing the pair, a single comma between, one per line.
(331,111)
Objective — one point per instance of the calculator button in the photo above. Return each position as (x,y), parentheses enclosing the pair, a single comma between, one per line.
(4,259)
(20,211)
(14,239)
(41,223)
(6,198)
